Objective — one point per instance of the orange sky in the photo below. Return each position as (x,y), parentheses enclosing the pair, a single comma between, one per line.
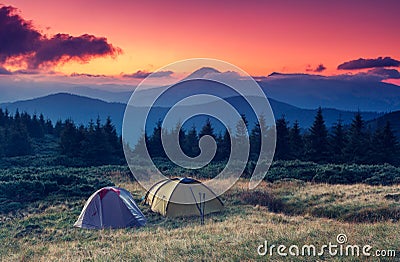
(258,36)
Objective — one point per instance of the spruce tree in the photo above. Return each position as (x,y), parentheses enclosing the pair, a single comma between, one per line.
(155,144)
(318,139)
(282,139)
(191,144)
(337,143)
(88,143)
(112,138)
(241,137)
(3,121)
(224,146)
(2,141)
(140,149)
(384,146)
(207,129)
(58,128)
(17,140)
(35,128)
(220,155)
(49,129)
(241,127)
(255,141)
(175,139)
(357,149)
(69,142)
(2,118)
(296,142)
(181,136)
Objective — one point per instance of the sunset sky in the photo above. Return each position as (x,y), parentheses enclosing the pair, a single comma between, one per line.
(259,36)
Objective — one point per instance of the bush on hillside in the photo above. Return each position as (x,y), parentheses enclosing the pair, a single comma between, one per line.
(21,186)
(261,198)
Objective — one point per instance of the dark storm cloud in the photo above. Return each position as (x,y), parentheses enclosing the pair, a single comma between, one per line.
(63,47)
(362,63)
(143,74)
(17,36)
(20,41)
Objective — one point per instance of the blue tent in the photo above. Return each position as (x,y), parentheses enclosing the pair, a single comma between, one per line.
(110,207)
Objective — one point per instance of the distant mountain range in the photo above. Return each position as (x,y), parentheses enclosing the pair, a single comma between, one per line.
(82,109)
(340,92)
(300,90)
(392,117)
(295,96)
(64,106)
(343,92)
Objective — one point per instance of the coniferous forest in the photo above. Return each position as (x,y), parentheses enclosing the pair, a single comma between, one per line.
(24,135)
(353,144)
(98,143)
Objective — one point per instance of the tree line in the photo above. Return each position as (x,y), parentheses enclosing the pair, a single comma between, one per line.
(98,143)
(94,144)
(18,130)
(354,143)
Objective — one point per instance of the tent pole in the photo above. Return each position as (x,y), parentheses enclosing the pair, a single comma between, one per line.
(204,205)
(201,209)
(101,211)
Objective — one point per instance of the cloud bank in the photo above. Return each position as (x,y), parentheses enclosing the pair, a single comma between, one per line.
(140,74)
(21,44)
(363,63)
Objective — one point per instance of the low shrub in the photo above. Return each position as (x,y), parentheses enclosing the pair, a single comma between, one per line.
(334,173)
(375,214)
(20,187)
(262,199)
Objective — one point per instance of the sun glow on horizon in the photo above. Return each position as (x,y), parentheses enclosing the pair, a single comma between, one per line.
(260,38)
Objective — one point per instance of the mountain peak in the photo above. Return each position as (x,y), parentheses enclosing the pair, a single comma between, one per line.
(290,74)
(202,72)
(275,74)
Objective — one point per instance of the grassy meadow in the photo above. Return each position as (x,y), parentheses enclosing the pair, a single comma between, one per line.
(289,212)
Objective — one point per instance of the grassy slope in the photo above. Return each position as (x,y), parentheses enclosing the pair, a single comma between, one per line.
(45,231)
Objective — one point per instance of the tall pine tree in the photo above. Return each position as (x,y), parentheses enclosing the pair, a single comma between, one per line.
(357,149)
(207,129)
(255,141)
(337,143)
(318,139)
(282,150)
(225,146)
(296,142)
(155,144)
(241,136)
(69,140)
(385,146)
(191,144)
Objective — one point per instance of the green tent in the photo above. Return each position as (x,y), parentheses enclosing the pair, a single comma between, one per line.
(182,197)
